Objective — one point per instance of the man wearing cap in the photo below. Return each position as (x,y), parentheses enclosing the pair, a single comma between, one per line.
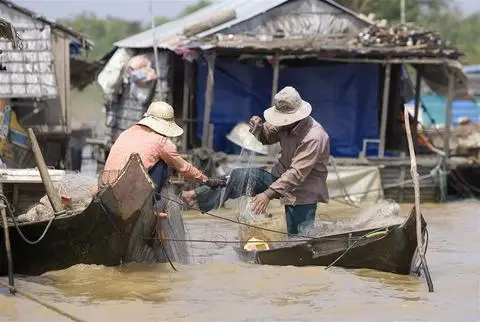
(150,138)
(299,177)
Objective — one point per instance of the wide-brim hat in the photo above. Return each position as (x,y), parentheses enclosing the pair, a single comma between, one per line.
(288,108)
(160,118)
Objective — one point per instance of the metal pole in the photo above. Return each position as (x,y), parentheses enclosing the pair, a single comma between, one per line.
(276,71)
(383,123)
(186,95)
(208,99)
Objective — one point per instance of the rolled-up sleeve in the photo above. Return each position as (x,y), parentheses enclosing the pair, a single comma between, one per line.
(306,155)
(267,134)
(174,160)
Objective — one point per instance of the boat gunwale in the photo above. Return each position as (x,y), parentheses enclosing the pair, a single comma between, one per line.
(313,240)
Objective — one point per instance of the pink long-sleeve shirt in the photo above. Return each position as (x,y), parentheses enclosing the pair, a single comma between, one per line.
(152,147)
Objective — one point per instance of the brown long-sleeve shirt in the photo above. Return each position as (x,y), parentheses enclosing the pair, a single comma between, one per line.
(302,166)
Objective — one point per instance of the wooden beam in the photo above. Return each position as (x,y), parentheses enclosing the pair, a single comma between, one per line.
(383,122)
(418,88)
(448,113)
(185,107)
(276,72)
(208,98)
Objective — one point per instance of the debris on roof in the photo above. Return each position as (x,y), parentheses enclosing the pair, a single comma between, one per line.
(403,35)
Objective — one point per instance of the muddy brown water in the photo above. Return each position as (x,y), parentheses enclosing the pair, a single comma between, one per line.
(221,288)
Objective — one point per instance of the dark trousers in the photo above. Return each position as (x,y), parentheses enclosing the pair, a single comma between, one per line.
(159,174)
(250,182)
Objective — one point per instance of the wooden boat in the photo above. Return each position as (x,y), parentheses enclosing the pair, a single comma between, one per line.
(101,234)
(389,249)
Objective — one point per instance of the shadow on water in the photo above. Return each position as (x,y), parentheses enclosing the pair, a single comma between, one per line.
(146,282)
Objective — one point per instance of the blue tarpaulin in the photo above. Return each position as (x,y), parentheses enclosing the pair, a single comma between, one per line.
(436,107)
(344,99)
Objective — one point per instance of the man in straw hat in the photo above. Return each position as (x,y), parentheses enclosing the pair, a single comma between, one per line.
(299,177)
(150,138)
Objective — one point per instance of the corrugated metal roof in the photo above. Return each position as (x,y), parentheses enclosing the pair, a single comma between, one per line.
(170,34)
(80,38)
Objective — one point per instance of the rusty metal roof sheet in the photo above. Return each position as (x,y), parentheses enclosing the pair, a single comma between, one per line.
(170,35)
(339,46)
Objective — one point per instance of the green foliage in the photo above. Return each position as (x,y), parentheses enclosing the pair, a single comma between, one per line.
(103,32)
(106,31)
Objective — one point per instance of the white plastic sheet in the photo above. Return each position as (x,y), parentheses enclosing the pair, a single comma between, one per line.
(358,183)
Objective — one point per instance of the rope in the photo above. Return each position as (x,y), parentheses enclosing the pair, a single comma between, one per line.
(37,300)
(304,238)
(342,186)
(351,246)
(465,182)
(17,226)
(10,285)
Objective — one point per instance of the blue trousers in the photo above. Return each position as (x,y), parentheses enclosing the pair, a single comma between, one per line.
(248,181)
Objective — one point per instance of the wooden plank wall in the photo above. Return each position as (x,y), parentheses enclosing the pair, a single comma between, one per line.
(61,52)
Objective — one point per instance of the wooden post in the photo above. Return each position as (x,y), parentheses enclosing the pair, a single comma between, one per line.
(186,101)
(208,98)
(448,114)
(211,130)
(42,168)
(276,72)
(418,88)
(8,248)
(383,123)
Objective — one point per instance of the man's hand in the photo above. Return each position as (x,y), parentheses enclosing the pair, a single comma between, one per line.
(216,182)
(260,203)
(254,122)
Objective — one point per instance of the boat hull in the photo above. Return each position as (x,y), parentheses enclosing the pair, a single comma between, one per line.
(85,238)
(390,250)
(118,222)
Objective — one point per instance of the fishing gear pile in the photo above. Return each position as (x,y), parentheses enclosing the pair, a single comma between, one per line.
(403,35)
(76,194)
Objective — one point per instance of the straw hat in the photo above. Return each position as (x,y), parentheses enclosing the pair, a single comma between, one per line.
(288,108)
(160,118)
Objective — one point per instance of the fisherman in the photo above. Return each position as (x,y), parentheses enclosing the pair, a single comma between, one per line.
(299,177)
(151,139)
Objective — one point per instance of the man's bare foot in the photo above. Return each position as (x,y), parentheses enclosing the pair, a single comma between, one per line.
(188,197)
(162,215)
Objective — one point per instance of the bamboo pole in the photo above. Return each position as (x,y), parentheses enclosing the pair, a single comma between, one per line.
(383,123)
(42,168)
(416,187)
(276,72)
(8,248)
(448,112)
(208,98)
(418,88)
(186,95)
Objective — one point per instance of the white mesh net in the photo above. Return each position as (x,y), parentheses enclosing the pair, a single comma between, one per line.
(76,191)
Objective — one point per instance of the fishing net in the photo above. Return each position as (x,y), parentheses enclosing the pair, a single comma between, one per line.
(381,214)
(76,191)
(175,245)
